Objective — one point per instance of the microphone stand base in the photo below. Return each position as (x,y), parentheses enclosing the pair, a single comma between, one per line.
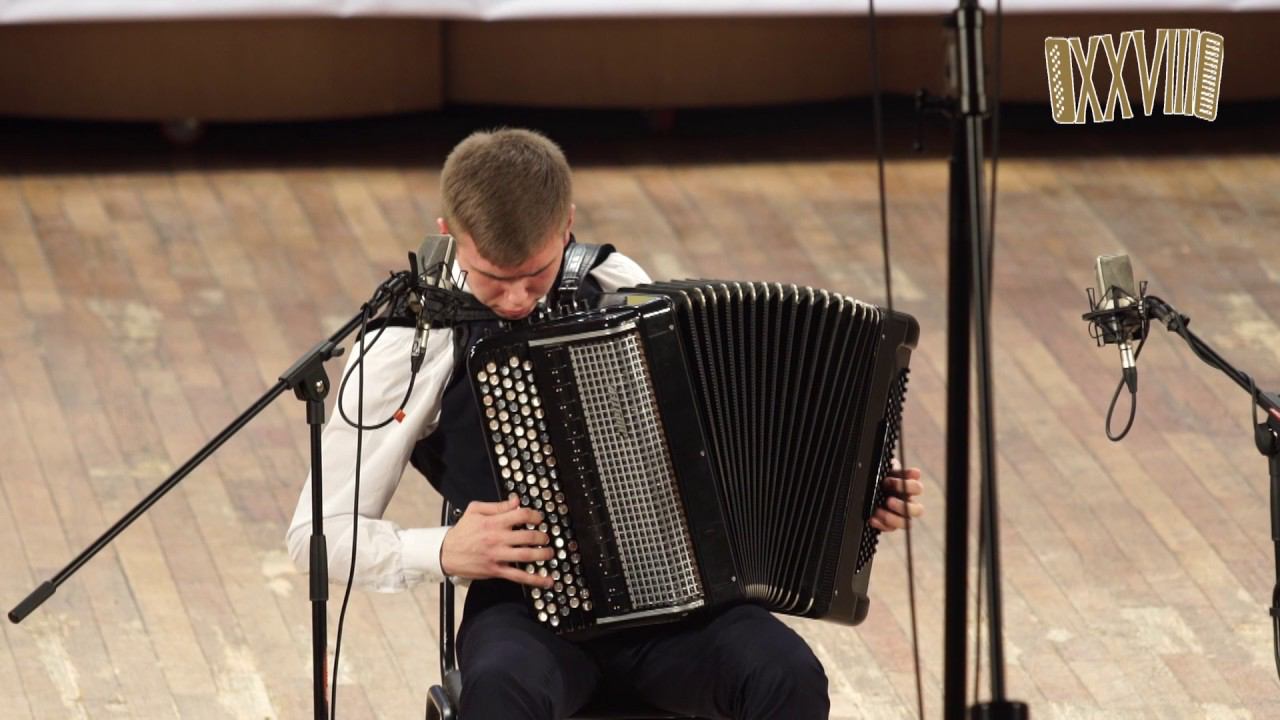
(1000,710)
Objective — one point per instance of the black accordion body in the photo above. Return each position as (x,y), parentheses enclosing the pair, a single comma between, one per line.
(698,443)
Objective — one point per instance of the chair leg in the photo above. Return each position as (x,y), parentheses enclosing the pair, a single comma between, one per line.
(439,705)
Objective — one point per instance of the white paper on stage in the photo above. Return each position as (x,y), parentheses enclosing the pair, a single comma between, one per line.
(33,11)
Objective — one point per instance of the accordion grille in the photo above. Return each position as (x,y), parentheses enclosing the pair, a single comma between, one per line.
(636,473)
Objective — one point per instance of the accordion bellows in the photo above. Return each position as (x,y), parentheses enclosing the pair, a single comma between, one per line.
(697,443)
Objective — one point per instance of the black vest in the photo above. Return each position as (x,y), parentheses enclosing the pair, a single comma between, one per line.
(454,457)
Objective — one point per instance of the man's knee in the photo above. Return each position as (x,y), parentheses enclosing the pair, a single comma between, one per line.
(508,679)
(775,673)
(793,681)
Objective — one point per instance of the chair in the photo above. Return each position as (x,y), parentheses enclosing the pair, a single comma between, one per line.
(442,699)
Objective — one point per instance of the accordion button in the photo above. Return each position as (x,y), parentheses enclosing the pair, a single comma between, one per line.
(528,365)
(551,607)
(522,443)
(555,530)
(542,527)
(542,617)
(487,400)
(587,606)
(555,621)
(519,385)
(551,461)
(561,553)
(522,397)
(535,401)
(572,592)
(510,485)
(493,424)
(537,411)
(574,602)
(564,509)
(575,558)
(535,593)
(482,376)
(502,461)
(537,457)
(504,416)
(510,395)
(514,361)
(564,611)
(499,448)
(491,366)
(568,577)
(519,476)
(538,604)
(586,595)
(506,473)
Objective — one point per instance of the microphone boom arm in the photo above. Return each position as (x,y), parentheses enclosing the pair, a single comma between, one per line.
(1266,430)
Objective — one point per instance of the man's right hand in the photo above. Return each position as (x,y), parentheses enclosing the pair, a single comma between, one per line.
(489,537)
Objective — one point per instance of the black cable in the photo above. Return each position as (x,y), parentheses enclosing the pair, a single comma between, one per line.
(878,120)
(977,607)
(360,427)
(1133,400)
(989,251)
(355,510)
(359,362)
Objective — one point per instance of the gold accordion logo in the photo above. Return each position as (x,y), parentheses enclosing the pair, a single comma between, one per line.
(1191,61)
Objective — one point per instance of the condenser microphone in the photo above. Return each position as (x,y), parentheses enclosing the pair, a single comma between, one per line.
(434,263)
(1120,310)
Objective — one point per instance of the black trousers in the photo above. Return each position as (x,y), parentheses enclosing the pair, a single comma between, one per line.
(740,663)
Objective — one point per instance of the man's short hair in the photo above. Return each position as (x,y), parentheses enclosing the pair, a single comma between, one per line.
(509,189)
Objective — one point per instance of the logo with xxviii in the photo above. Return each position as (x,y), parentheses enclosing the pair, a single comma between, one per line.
(1189,62)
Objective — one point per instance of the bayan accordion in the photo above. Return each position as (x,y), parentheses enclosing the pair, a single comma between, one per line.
(698,443)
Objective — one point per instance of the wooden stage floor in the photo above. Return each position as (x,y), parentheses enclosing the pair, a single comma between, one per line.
(148,294)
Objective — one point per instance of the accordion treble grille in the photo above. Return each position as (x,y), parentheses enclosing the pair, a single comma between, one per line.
(636,474)
(893,429)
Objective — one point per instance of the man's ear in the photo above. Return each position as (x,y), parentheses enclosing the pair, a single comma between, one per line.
(444,226)
(569,226)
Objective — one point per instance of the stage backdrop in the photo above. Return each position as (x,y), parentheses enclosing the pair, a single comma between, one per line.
(296,59)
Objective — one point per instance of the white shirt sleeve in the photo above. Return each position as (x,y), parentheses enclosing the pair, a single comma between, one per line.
(389,557)
(619,271)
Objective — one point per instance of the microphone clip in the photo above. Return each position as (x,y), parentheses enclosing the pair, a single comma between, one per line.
(1117,317)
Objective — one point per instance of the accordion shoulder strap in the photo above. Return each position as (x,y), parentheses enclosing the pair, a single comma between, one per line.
(579,260)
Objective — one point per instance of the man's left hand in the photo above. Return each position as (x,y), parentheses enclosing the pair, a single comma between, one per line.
(901,488)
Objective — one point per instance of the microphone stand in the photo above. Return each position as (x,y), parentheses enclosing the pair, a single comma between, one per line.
(310,383)
(1266,434)
(968,277)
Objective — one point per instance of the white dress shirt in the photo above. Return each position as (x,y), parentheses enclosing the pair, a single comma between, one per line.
(389,557)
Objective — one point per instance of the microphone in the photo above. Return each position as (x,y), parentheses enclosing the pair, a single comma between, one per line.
(431,267)
(1118,313)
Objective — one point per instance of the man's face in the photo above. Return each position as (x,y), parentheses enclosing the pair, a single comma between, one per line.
(512,292)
